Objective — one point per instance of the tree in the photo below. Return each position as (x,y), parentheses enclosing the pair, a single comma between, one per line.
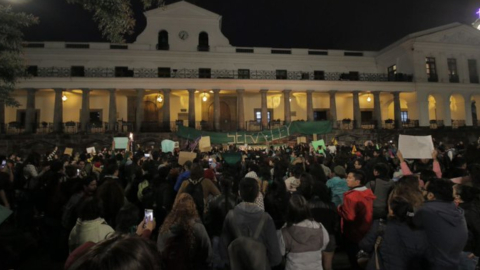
(12,64)
(114,17)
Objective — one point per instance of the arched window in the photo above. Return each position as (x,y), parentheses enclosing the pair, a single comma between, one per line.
(163,41)
(203,42)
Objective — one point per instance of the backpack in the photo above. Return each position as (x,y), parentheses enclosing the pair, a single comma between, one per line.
(195,189)
(247,252)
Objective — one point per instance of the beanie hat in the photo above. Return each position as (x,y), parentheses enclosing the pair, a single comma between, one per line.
(339,171)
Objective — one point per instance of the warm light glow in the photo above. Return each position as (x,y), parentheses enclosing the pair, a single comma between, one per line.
(204,98)
(64,98)
(159,98)
(369,99)
(211,91)
(131,136)
(290,99)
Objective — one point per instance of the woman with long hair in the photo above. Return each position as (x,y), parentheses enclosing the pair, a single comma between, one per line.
(303,239)
(183,241)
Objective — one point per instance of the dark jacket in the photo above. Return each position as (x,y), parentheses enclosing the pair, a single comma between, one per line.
(401,248)
(324,213)
(216,213)
(472,216)
(381,189)
(446,231)
(247,217)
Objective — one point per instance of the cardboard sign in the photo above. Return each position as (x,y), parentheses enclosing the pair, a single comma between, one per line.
(91,150)
(68,151)
(301,140)
(168,146)
(186,156)
(121,142)
(204,144)
(318,143)
(415,147)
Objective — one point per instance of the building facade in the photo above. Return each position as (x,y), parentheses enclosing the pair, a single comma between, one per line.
(182,70)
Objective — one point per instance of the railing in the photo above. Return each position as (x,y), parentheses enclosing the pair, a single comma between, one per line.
(434,124)
(223,74)
(458,124)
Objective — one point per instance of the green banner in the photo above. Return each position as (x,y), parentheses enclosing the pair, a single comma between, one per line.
(244,137)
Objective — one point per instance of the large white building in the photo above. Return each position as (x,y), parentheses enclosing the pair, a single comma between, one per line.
(183,68)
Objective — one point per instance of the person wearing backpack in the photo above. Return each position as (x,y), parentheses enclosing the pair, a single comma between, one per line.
(381,187)
(249,239)
(199,188)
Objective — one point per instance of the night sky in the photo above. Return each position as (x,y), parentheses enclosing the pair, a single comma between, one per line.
(317,24)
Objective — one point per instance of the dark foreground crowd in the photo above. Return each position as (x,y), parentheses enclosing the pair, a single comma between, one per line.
(279,208)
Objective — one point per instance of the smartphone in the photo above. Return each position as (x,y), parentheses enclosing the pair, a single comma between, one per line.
(147,155)
(4,163)
(148,216)
(78,171)
(210,161)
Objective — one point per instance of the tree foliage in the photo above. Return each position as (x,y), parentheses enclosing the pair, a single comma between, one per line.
(12,63)
(114,17)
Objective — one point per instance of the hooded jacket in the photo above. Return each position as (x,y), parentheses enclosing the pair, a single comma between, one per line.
(338,186)
(401,248)
(381,189)
(303,243)
(356,213)
(446,231)
(246,218)
(90,230)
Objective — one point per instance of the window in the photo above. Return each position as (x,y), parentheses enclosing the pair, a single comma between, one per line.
(243,50)
(320,115)
(204,73)
(118,47)
(431,68)
(164,72)
(318,52)
(353,53)
(392,71)
(258,115)
(404,116)
(276,51)
(163,41)
(472,70)
(319,75)
(305,76)
(281,74)
(77,71)
(452,70)
(32,71)
(244,73)
(77,46)
(203,42)
(123,72)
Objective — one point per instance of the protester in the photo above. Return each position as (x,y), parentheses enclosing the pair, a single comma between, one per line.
(356,213)
(444,225)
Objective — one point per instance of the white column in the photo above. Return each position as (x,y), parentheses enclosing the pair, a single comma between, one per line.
(422,103)
(447,114)
(468,110)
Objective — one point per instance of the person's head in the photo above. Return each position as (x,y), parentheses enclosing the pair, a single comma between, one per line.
(358,164)
(339,171)
(90,209)
(306,186)
(111,169)
(297,170)
(377,153)
(297,210)
(355,179)
(401,209)
(380,170)
(33,158)
(81,164)
(408,187)
(121,252)
(127,218)
(113,198)
(439,189)
(248,189)
(89,185)
(196,171)
(184,211)
(187,165)
(226,183)
(70,171)
(466,194)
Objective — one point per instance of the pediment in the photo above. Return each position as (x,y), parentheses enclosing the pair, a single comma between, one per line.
(461,35)
(181,9)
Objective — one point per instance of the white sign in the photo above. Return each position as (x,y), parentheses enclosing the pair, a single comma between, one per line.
(416,147)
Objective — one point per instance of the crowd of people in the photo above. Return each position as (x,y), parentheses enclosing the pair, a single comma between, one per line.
(274,208)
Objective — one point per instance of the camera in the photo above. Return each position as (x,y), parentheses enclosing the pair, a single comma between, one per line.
(148,216)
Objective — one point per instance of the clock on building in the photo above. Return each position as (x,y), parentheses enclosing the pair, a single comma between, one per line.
(183,35)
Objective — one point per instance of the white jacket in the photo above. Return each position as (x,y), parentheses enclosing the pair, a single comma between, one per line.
(88,231)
